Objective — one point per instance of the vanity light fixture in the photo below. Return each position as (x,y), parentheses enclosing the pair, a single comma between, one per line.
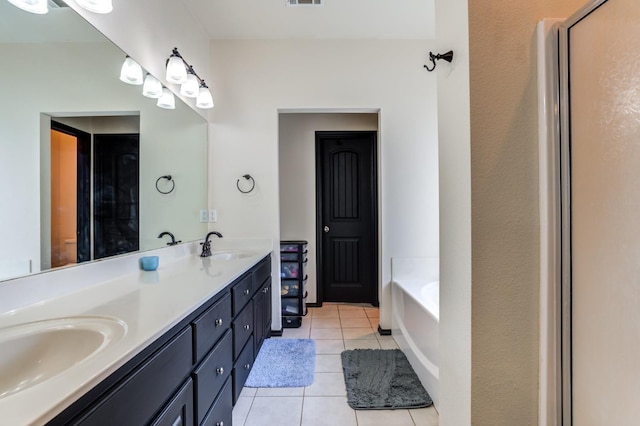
(167,100)
(34,6)
(204,99)
(96,6)
(152,88)
(131,72)
(176,68)
(192,86)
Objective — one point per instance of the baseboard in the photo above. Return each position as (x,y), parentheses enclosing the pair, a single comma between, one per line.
(384,331)
(276,333)
(315,305)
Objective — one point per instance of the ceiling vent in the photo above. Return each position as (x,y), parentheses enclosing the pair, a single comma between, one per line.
(305,2)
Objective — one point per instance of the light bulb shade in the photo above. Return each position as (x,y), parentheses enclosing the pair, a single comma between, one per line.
(204,100)
(152,87)
(96,6)
(131,72)
(34,6)
(176,70)
(190,88)
(167,100)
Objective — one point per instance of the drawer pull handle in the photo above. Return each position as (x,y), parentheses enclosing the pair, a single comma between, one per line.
(220,370)
(218,322)
(265,290)
(220,424)
(246,292)
(247,366)
(246,327)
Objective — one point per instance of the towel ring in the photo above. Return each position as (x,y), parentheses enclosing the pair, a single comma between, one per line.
(247,177)
(167,177)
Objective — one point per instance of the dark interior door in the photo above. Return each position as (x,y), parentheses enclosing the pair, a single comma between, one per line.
(116,194)
(347,219)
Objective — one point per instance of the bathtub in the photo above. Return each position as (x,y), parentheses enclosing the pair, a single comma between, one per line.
(415,303)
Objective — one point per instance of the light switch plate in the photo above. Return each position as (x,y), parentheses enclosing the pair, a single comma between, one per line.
(213,216)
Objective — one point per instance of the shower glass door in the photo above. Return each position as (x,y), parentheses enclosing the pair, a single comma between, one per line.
(601,214)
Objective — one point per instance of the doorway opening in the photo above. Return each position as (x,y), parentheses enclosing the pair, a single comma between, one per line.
(299,205)
(91,205)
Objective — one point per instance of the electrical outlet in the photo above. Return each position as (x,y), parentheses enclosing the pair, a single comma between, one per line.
(213,216)
(204,216)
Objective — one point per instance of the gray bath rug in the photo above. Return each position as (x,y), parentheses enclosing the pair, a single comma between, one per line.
(382,380)
(284,363)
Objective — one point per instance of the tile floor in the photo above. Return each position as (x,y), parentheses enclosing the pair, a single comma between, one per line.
(335,327)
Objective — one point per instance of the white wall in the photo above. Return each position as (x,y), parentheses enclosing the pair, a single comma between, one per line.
(297,159)
(455,214)
(256,79)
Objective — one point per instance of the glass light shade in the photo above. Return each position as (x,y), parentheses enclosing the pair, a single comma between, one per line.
(204,100)
(152,87)
(176,71)
(167,100)
(131,72)
(34,6)
(190,88)
(97,6)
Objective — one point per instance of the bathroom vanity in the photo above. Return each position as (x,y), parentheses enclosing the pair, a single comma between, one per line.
(191,331)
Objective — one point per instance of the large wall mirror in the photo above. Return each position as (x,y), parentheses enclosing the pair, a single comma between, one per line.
(82,153)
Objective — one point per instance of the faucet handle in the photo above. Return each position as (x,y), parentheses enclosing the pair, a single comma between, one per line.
(206,249)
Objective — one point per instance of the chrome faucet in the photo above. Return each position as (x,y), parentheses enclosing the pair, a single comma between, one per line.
(206,246)
(173,241)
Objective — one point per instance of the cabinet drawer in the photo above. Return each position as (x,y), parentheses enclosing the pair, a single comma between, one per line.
(210,326)
(241,293)
(261,273)
(179,411)
(292,287)
(210,376)
(242,369)
(136,400)
(221,412)
(242,328)
(293,269)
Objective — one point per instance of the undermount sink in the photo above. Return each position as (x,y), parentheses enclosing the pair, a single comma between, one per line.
(35,352)
(230,255)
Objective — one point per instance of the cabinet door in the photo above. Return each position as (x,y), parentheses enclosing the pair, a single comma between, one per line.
(262,314)
(242,328)
(138,398)
(179,412)
(210,376)
(221,412)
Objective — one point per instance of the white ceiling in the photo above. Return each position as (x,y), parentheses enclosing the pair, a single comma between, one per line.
(273,19)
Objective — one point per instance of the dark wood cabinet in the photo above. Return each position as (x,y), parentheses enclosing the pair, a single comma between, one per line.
(193,374)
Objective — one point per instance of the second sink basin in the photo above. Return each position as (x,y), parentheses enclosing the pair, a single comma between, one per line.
(230,254)
(34,352)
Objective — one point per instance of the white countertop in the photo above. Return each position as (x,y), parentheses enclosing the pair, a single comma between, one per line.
(148,303)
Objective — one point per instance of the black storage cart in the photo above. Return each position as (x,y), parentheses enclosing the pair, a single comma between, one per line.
(293,282)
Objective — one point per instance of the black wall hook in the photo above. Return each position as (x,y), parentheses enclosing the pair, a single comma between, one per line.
(433,58)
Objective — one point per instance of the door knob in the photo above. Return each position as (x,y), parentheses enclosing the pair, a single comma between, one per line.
(326,228)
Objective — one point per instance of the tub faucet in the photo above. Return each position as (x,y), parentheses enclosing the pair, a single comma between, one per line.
(206,246)
(173,241)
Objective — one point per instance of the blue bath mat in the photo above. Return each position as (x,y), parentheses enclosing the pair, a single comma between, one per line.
(382,379)
(284,363)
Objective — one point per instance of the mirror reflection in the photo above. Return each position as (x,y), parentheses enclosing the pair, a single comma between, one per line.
(81,152)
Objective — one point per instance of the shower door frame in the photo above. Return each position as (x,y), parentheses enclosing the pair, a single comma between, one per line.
(566,313)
